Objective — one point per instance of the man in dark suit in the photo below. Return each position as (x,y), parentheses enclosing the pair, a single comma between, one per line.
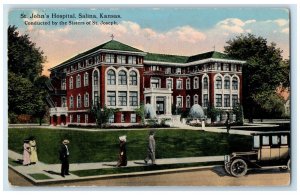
(64,158)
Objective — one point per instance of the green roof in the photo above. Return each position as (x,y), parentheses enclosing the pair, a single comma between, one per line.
(211,54)
(110,45)
(166,58)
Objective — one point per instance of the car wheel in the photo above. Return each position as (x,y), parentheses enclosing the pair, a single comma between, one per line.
(289,165)
(227,168)
(238,167)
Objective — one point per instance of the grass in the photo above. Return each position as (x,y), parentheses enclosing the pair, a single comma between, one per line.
(39,176)
(108,171)
(13,162)
(104,146)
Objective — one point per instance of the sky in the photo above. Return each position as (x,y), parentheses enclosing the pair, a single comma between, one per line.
(168,30)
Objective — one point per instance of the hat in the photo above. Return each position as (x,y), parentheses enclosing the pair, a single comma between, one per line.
(66,141)
(31,138)
(122,138)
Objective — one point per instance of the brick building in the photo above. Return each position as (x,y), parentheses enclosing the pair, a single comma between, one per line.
(120,76)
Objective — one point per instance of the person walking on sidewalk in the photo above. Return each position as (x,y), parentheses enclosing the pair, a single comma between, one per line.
(151,149)
(26,152)
(64,158)
(122,154)
(33,150)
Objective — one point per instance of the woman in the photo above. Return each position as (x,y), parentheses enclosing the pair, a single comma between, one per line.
(33,150)
(122,154)
(26,152)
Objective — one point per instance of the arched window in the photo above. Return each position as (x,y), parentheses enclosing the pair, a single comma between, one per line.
(196,83)
(122,78)
(218,82)
(71,83)
(111,77)
(133,78)
(205,83)
(71,102)
(234,83)
(227,82)
(86,100)
(86,79)
(78,81)
(79,101)
(96,78)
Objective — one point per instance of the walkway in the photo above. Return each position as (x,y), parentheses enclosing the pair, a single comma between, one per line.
(53,170)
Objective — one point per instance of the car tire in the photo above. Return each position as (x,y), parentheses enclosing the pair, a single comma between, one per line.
(227,168)
(289,164)
(238,167)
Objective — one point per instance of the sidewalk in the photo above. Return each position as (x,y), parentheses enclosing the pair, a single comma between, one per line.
(53,170)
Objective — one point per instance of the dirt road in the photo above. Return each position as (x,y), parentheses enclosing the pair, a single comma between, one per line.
(208,177)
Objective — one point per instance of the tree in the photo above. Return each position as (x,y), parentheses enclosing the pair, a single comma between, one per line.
(238,111)
(264,71)
(102,115)
(26,91)
(212,112)
(141,112)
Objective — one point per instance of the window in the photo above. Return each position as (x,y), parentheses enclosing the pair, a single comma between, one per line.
(132,78)
(96,78)
(256,141)
(86,79)
(234,100)
(155,83)
(205,83)
(226,100)
(284,139)
(122,97)
(96,97)
(218,82)
(111,118)
(71,118)
(234,83)
(226,67)
(133,98)
(133,118)
(227,82)
(196,100)
(205,100)
(196,83)
(122,78)
(179,102)
(178,70)
(131,60)
(71,102)
(178,84)
(111,77)
(275,140)
(188,101)
(233,67)
(111,98)
(188,83)
(168,70)
(154,68)
(63,102)
(265,140)
(218,66)
(121,59)
(110,58)
(86,118)
(71,83)
(78,81)
(78,118)
(218,100)
(63,84)
(79,101)
(170,83)
(90,61)
(122,118)
(86,100)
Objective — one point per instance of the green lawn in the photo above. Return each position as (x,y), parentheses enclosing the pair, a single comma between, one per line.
(108,171)
(104,146)
(40,176)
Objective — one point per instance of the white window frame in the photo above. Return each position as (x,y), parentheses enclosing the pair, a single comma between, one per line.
(86,99)
(78,81)
(181,87)
(188,101)
(78,103)
(86,79)
(177,105)
(188,83)
(169,79)
(71,101)
(133,118)
(71,82)
(196,83)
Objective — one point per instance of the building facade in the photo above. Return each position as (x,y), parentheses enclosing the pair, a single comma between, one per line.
(119,76)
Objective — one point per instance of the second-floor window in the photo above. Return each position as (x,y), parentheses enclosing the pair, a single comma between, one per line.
(111,77)
(78,81)
(218,100)
(234,83)
(133,98)
(169,83)
(205,83)
(111,98)
(179,84)
(227,82)
(196,83)
(122,97)
(188,84)
(218,82)
(155,83)
(122,78)
(132,78)
(226,100)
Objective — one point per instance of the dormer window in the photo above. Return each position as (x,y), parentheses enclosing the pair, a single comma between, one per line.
(110,58)
(121,59)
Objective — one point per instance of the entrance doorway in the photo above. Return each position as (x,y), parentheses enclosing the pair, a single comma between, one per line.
(160,105)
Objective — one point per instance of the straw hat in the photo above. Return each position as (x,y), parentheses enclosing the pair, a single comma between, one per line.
(66,141)
(122,138)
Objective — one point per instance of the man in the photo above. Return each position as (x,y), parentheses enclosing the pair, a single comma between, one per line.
(151,149)
(64,158)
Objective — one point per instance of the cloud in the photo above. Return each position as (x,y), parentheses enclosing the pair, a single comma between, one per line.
(285,30)
(281,22)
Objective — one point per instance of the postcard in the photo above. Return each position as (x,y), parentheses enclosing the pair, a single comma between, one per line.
(149,96)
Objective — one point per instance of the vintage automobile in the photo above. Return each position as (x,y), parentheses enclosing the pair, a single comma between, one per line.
(269,150)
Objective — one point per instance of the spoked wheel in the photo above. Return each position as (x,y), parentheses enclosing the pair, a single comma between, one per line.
(227,168)
(238,168)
